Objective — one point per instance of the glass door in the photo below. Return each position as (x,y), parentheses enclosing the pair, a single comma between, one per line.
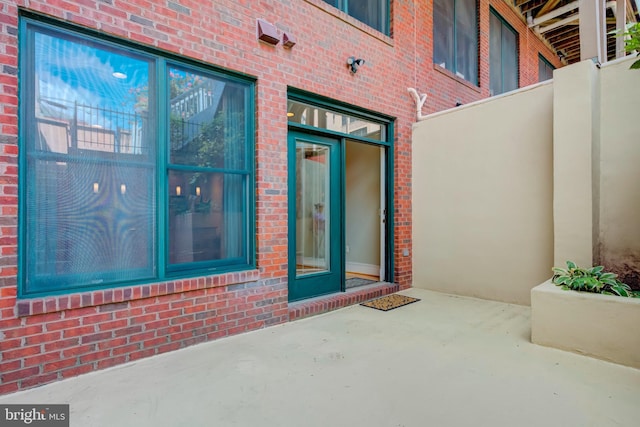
(315,256)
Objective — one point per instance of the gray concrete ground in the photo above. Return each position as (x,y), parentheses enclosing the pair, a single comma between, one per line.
(443,361)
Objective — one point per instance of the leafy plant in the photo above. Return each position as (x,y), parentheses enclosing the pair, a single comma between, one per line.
(593,279)
(632,42)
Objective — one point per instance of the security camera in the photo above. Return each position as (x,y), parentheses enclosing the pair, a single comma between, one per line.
(354,63)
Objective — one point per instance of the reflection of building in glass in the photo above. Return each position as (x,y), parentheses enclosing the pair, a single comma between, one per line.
(344,123)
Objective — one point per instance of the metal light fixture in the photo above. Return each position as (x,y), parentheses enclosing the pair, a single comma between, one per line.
(354,63)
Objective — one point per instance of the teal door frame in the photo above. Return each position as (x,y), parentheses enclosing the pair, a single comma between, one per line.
(331,280)
(317,130)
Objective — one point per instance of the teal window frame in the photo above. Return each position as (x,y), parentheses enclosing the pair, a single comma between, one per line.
(505,26)
(385,20)
(545,65)
(161,62)
(454,65)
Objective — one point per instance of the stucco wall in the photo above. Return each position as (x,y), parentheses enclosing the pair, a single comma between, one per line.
(619,240)
(576,158)
(482,198)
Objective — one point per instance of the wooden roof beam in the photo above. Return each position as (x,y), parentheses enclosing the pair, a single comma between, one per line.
(554,13)
(548,7)
(566,21)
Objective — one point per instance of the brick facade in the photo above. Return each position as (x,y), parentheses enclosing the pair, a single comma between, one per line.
(47,339)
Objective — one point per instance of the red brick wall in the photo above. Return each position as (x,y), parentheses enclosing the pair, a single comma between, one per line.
(444,89)
(46,339)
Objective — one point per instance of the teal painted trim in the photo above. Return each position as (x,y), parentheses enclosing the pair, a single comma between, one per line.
(187,168)
(343,214)
(389,122)
(250,162)
(162,173)
(325,282)
(25,60)
(321,131)
(87,160)
(204,266)
(133,283)
(291,211)
(29,24)
(390,228)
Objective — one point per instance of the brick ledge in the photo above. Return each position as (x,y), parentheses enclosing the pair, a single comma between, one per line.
(326,303)
(29,307)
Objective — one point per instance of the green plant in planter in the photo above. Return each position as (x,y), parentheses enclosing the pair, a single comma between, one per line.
(632,42)
(593,279)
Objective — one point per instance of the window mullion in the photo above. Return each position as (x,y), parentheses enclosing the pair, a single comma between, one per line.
(455,37)
(162,188)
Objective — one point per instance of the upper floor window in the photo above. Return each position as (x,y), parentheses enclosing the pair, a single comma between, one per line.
(136,167)
(545,69)
(455,37)
(503,56)
(374,13)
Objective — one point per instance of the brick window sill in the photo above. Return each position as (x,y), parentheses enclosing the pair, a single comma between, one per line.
(458,79)
(51,304)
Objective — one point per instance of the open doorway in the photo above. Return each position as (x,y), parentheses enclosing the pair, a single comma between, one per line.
(364,214)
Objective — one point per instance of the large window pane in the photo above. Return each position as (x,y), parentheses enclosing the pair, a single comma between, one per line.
(311,115)
(455,37)
(503,56)
(545,69)
(374,13)
(206,217)
(495,55)
(206,121)
(90,169)
(509,60)
(207,207)
(443,39)
(466,40)
(371,12)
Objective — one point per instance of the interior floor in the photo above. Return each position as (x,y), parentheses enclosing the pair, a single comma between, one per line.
(351,275)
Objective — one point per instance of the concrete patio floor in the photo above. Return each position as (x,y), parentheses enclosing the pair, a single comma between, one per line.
(443,361)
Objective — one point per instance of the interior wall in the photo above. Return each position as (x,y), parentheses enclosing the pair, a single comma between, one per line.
(483,197)
(619,237)
(362,226)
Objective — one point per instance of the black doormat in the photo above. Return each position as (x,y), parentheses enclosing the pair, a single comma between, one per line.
(390,302)
(354,282)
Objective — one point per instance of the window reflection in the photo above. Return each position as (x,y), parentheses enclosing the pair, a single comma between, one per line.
(90,183)
(311,115)
(206,121)
(207,135)
(205,219)
(88,99)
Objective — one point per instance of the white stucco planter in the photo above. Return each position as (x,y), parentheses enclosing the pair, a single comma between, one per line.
(596,325)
